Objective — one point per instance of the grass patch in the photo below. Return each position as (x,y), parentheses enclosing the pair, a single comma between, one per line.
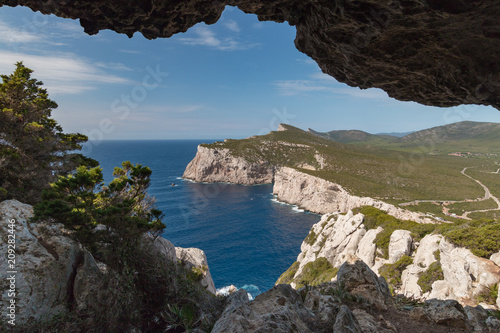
(375,218)
(461,207)
(316,272)
(287,276)
(430,275)
(311,238)
(492,215)
(489,295)
(392,272)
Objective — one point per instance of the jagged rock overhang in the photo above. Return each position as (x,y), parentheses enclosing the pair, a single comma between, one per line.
(434,52)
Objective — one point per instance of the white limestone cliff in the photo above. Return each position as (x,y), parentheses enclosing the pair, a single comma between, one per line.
(220,165)
(321,196)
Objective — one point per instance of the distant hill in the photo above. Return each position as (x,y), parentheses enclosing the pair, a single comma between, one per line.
(465,136)
(352,136)
(396,134)
(462,131)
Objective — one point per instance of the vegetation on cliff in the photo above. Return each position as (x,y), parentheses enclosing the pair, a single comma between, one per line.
(117,223)
(363,170)
(482,237)
(34,150)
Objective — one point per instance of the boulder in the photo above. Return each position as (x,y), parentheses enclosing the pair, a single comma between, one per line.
(366,249)
(424,257)
(400,245)
(357,278)
(279,310)
(449,313)
(196,258)
(495,257)
(346,322)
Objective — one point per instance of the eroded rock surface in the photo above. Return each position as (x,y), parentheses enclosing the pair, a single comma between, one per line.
(341,238)
(440,53)
(196,258)
(219,165)
(55,274)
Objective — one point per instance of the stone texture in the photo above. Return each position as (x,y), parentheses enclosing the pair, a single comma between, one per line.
(193,257)
(346,322)
(399,245)
(219,165)
(279,310)
(449,313)
(495,257)
(440,53)
(359,279)
(466,275)
(367,248)
(46,263)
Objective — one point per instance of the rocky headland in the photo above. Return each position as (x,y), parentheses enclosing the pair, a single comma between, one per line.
(220,165)
(291,185)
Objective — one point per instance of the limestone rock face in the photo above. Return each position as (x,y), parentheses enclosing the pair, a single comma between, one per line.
(342,238)
(55,273)
(424,257)
(46,262)
(441,53)
(465,274)
(337,237)
(400,245)
(323,197)
(219,165)
(196,258)
(367,248)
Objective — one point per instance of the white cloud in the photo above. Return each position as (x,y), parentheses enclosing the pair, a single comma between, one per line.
(232,25)
(13,35)
(115,66)
(206,37)
(323,83)
(61,74)
(295,87)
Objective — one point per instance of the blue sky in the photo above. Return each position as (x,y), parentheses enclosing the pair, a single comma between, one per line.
(234,79)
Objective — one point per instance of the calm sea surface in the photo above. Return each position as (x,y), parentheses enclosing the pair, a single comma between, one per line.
(248,237)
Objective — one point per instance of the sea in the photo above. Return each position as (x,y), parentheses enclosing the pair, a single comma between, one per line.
(249,237)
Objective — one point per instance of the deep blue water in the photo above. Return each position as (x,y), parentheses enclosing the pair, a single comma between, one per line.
(248,238)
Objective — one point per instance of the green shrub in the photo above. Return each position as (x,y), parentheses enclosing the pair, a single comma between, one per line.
(375,218)
(287,276)
(481,237)
(489,295)
(316,272)
(392,272)
(429,276)
(311,238)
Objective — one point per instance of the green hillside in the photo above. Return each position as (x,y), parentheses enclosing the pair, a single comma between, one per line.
(465,137)
(396,176)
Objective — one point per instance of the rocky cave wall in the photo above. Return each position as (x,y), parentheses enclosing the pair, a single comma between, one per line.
(435,52)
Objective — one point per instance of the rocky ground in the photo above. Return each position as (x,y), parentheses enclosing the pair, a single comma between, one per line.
(465,276)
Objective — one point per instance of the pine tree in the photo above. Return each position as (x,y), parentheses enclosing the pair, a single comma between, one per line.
(33,148)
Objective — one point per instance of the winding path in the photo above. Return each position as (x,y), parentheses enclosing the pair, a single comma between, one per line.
(487,195)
